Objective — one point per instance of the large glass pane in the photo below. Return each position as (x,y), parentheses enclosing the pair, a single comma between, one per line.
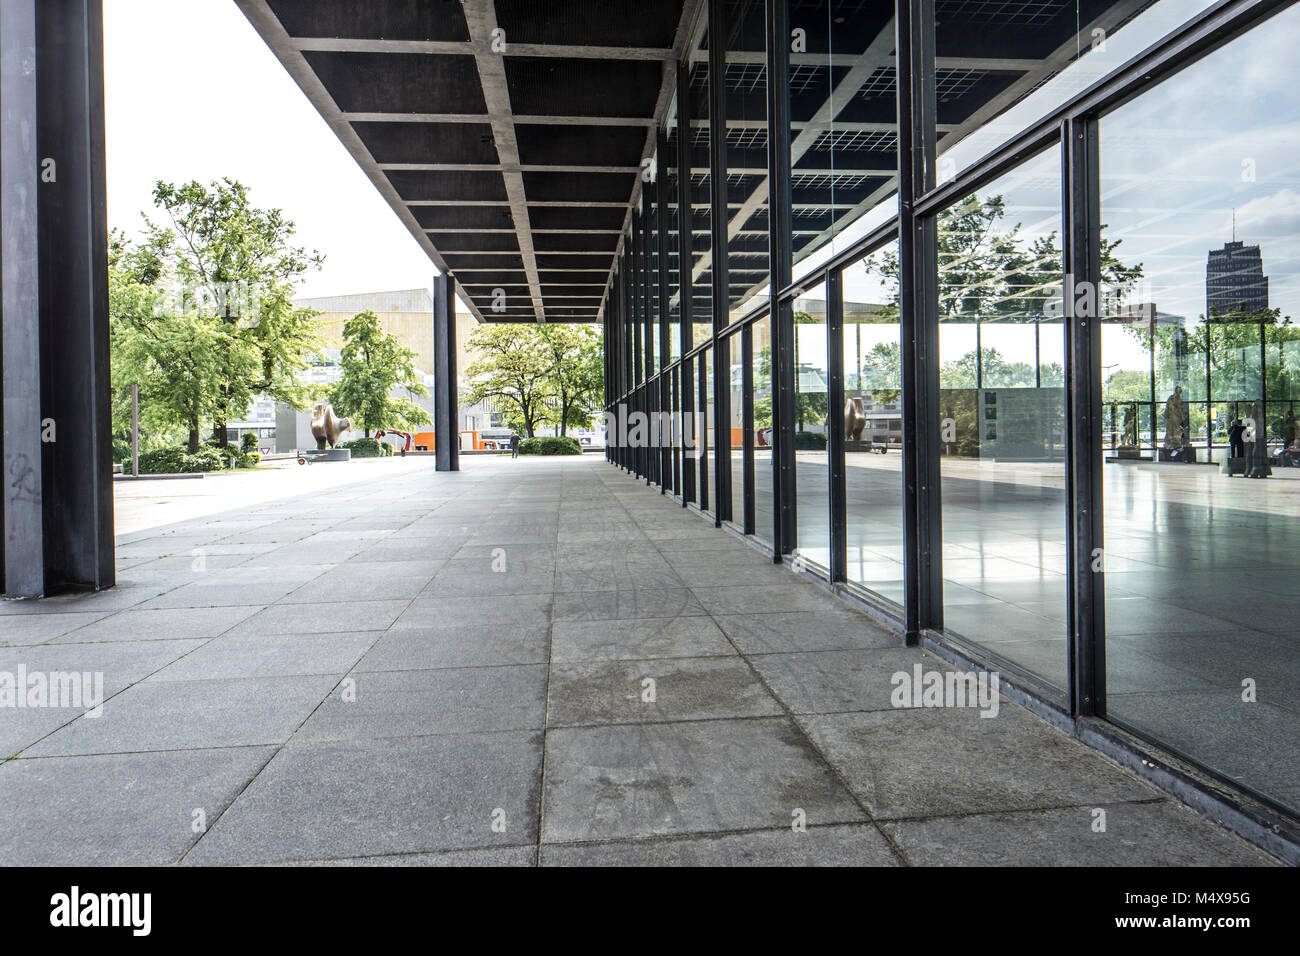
(843,120)
(873,424)
(652,276)
(747,248)
(736,375)
(1002,66)
(762,437)
(1002,428)
(668,169)
(701,192)
(692,434)
(1201,562)
(812,456)
(708,442)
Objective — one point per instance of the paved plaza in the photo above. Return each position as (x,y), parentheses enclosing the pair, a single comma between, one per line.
(527,662)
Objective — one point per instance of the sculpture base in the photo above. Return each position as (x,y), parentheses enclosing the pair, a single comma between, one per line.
(326,454)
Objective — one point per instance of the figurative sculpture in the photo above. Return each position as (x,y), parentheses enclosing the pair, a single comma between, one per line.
(854,419)
(325,427)
(1175,420)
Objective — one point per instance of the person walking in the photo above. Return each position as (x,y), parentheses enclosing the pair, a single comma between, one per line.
(514,445)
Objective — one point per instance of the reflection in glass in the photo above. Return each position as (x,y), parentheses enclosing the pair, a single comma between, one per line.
(762,437)
(1002,429)
(709,444)
(812,456)
(736,377)
(668,169)
(747,182)
(873,418)
(843,118)
(701,193)
(1202,562)
(1003,66)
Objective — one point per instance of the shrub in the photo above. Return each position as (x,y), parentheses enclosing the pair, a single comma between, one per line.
(248,442)
(810,441)
(368,448)
(250,459)
(174,461)
(550,446)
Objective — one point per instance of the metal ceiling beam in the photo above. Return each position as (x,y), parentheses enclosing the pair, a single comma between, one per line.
(481,19)
(464,48)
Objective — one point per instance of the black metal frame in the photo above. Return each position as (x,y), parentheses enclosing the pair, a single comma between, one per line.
(446,401)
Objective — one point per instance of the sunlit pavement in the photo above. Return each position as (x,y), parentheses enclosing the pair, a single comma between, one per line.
(529,661)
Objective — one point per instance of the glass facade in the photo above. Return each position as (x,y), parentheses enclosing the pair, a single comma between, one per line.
(1200,564)
(1001,440)
(1044,412)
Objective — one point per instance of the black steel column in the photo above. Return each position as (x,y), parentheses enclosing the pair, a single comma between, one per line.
(446,398)
(835,422)
(718,218)
(1085,602)
(917,240)
(24,538)
(58,464)
(661,274)
(781,264)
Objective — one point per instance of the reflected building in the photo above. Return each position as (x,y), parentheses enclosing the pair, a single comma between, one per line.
(1235,280)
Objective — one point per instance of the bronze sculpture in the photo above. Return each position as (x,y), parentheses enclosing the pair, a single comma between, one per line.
(325,427)
(1175,420)
(855,420)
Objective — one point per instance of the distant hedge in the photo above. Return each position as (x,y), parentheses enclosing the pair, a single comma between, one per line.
(209,457)
(809,441)
(368,448)
(550,446)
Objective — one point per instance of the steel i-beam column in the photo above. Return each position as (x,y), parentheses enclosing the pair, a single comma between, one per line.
(781,263)
(719,217)
(1083,416)
(446,402)
(922,527)
(835,419)
(58,504)
(24,539)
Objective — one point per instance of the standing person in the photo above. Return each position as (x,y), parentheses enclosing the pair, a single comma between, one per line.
(514,445)
(1236,444)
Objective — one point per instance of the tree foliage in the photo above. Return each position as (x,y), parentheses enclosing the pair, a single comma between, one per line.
(202,307)
(537,375)
(374,364)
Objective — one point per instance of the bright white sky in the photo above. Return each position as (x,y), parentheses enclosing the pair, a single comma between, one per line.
(193,93)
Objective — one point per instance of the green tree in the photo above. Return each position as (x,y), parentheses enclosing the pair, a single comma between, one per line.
(374,364)
(228,271)
(173,355)
(514,371)
(577,376)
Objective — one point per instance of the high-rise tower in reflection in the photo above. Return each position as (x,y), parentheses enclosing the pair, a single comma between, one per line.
(1235,280)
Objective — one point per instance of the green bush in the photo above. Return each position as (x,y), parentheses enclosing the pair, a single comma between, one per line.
(175,461)
(368,448)
(248,442)
(810,441)
(250,459)
(550,446)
